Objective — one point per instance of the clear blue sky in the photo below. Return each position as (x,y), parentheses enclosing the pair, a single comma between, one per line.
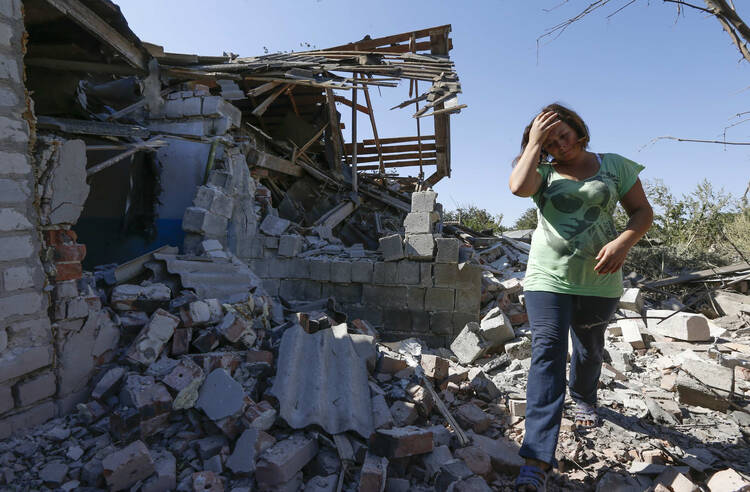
(641,74)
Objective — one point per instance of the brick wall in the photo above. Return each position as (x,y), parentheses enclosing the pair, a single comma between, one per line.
(27,380)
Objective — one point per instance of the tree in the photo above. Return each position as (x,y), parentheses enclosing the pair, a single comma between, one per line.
(527,220)
(475,218)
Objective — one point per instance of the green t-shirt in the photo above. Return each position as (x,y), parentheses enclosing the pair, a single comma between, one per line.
(575,222)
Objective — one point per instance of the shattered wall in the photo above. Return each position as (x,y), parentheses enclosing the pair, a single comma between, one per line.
(26,378)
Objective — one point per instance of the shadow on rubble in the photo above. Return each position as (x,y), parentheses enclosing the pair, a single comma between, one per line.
(734,455)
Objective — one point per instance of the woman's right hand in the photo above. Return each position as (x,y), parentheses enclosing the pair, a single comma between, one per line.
(540,128)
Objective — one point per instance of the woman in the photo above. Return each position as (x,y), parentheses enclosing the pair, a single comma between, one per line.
(574,278)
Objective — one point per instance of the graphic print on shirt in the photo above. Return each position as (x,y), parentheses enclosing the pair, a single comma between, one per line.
(581,213)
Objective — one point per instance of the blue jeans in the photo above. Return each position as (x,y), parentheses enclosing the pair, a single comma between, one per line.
(551,315)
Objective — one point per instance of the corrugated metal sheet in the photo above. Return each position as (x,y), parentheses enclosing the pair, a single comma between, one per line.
(212,277)
(322,380)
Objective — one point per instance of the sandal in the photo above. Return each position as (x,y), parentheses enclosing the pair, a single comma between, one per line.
(533,476)
(585,413)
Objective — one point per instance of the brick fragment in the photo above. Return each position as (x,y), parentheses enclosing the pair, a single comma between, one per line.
(207,481)
(151,340)
(400,442)
(392,247)
(125,467)
(726,481)
(435,367)
(473,417)
(108,384)
(476,459)
(281,462)
(220,395)
(373,475)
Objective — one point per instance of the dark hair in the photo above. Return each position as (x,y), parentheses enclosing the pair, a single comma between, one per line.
(567,116)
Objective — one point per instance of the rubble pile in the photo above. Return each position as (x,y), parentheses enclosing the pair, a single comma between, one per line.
(254,394)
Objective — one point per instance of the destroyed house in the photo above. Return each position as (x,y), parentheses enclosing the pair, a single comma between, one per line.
(127,169)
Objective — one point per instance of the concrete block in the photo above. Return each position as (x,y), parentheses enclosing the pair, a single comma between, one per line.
(683,326)
(445,275)
(280,267)
(299,268)
(447,250)
(345,293)
(271,286)
(469,276)
(408,272)
(201,221)
(6,399)
(415,298)
(519,348)
(397,321)
(472,417)
(404,413)
(220,396)
(385,273)
(274,226)
(191,106)
(36,389)
(21,304)
(469,344)
(14,130)
(631,332)
(14,163)
(420,321)
(290,244)
(242,459)
(705,384)
(400,442)
(425,274)
(108,385)
(468,300)
(16,247)
(14,191)
(423,201)
(381,414)
(727,481)
(20,361)
(341,272)
(13,220)
(281,462)
(124,468)
(496,328)
(320,270)
(214,200)
(420,222)
(419,246)
(373,474)
(732,303)
(173,109)
(392,247)
(439,299)
(362,272)
(151,340)
(165,475)
(68,183)
(19,277)
(435,367)
(441,323)
(436,459)
(631,300)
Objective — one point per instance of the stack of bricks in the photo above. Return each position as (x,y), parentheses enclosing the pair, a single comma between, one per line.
(64,254)
(25,334)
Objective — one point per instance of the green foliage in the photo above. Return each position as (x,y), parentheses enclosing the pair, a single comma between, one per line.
(475,218)
(527,220)
(696,231)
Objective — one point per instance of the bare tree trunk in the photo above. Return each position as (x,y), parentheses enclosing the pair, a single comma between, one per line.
(738,31)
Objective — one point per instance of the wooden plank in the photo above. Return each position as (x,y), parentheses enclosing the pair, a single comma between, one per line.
(349,103)
(376,138)
(79,66)
(386,141)
(362,149)
(448,110)
(336,137)
(91,127)
(354,137)
(87,19)
(262,107)
(368,44)
(258,158)
(430,162)
(396,157)
(263,88)
(698,275)
(333,217)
